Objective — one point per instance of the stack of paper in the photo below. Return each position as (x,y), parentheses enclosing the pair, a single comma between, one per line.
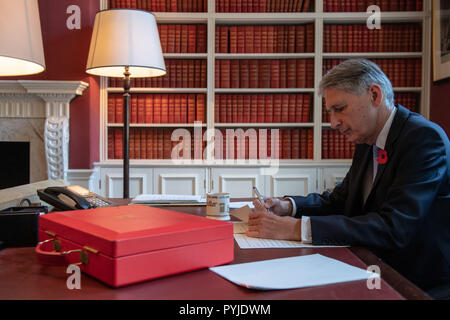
(291,273)
(167,199)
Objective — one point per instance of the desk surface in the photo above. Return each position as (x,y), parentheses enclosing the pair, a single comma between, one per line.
(21,277)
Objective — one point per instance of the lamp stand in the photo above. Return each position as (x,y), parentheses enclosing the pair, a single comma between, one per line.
(126,133)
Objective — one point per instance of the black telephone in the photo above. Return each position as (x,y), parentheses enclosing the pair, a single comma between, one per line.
(72,198)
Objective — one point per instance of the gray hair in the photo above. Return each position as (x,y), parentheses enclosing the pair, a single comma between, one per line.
(356,76)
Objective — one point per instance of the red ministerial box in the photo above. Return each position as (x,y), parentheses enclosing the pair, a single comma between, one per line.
(129,244)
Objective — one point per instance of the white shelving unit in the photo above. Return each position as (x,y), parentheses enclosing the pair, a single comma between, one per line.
(312,175)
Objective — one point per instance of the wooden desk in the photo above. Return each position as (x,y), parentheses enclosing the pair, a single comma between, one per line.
(21,277)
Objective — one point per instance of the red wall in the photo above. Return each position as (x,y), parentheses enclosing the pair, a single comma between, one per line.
(66,53)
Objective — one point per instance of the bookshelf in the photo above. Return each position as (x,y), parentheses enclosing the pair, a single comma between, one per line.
(316,166)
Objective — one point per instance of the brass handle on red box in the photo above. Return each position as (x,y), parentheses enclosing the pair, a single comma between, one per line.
(55,257)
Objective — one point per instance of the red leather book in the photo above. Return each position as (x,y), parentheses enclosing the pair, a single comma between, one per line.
(325,144)
(185,73)
(246,109)
(306,6)
(310,139)
(160,142)
(223,38)
(133,109)
(284,108)
(203,73)
(283,72)
(222,108)
(300,34)
(292,107)
(274,73)
(201,38)
(147,134)
(141,108)
(233,39)
(418,75)
(310,73)
(309,38)
(157,102)
(233,6)
(277,101)
(225,77)
(244,6)
(303,144)
(244,73)
(217,40)
(190,73)
(336,144)
(234,73)
(261,111)
(176,108)
(240,109)
(234,107)
(173,6)
(167,151)
(164,108)
(306,110)
(229,109)
(295,144)
(118,144)
(253,73)
(187,111)
(279,39)
(341,146)
(301,73)
(217,74)
(286,144)
(264,38)
(257,39)
(299,108)
(240,39)
(271,39)
(155,143)
(184,38)
(264,73)
(197,65)
(111,109)
(110,143)
(299,6)
(268,107)
(249,39)
(253,108)
(201,108)
(291,73)
(171,38)
(137,144)
(177,44)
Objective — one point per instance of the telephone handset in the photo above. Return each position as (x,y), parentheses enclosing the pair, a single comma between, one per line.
(72,198)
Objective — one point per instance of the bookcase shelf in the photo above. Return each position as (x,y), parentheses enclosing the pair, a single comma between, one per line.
(320,20)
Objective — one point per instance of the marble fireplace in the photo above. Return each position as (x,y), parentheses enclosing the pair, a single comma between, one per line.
(37,111)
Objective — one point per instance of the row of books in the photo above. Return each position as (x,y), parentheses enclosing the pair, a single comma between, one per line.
(166,143)
(183,38)
(401,72)
(181,73)
(359,38)
(263,108)
(362,5)
(277,73)
(263,5)
(162,5)
(158,108)
(336,146)
(265,39)
(409,100)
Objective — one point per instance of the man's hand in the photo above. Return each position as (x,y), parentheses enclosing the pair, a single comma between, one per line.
(263,224)
(281,207)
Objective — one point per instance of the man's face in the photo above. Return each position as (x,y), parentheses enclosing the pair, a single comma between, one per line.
(352,115)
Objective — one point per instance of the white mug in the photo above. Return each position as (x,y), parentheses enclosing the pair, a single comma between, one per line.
(218,206)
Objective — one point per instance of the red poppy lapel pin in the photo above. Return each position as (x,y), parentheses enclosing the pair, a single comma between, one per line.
(382,157)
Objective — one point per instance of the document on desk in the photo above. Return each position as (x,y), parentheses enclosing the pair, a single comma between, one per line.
(291,273)
(246,242)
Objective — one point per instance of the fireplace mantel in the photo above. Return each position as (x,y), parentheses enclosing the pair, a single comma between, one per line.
(49,100)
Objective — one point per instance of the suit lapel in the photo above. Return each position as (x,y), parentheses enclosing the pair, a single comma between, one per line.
(397,126)
(356,196)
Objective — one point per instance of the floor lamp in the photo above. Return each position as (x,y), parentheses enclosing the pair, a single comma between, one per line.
(21,49)
(125,43)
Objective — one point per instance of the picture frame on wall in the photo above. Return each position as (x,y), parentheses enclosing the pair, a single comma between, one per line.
(441,39)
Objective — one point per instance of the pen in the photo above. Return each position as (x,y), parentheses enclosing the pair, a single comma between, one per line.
(260,196)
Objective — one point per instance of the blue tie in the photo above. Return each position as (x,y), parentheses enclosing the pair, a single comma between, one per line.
(375,162)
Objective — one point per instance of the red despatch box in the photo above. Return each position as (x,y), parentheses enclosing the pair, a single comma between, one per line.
(129,244)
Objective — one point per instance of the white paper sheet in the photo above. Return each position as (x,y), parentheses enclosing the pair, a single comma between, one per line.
(291,273)
(237,205)
(246,242)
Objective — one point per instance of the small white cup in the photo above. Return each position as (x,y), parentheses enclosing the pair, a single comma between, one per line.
(218,206)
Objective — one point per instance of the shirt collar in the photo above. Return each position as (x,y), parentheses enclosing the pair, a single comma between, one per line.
(382,137)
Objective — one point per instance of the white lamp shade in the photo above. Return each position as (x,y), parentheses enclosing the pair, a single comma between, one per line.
(21,48)
(125,37)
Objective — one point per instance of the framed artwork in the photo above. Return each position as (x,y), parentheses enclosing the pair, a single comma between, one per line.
(441,39)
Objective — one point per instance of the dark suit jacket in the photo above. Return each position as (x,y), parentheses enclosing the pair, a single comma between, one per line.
(406,218)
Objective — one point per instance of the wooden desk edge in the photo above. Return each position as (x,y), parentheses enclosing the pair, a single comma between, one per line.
(400,284)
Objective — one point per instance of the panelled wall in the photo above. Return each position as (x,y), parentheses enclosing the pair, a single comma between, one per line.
(239,105)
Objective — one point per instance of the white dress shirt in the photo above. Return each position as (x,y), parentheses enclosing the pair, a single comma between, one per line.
(370,177)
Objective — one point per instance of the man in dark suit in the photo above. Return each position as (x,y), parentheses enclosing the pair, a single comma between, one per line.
(394,200)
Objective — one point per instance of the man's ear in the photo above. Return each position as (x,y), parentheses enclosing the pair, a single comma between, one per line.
(376,95)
